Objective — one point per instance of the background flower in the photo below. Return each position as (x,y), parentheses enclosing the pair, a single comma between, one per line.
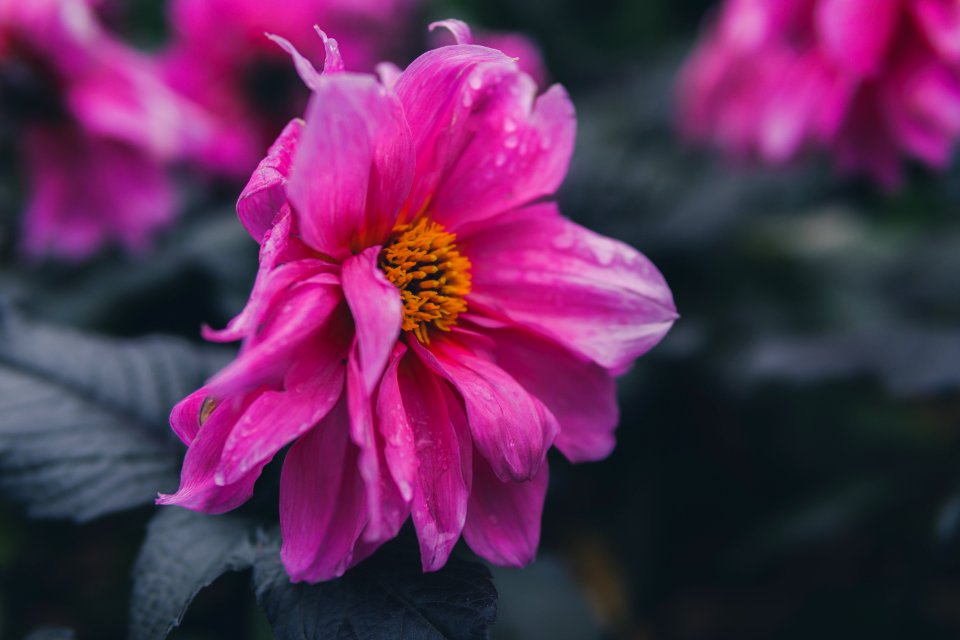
(870,82)
(95,127)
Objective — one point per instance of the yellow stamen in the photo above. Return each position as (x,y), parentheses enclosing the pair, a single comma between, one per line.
(422,260)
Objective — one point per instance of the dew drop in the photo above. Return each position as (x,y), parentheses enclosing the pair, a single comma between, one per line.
(511,142)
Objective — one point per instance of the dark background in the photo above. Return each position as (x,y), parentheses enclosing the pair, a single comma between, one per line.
(787,458)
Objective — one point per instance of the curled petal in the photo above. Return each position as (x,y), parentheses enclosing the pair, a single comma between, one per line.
(598,297)
(265,194)
(503,518)
(459,29)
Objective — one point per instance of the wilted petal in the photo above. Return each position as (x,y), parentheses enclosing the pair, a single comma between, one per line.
(597,296)
(503,518)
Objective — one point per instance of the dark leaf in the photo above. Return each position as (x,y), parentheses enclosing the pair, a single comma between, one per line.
(183,553)
(84,428)
(385,597)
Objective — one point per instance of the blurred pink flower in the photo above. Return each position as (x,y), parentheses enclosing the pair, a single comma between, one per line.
(870,81)
(425,324)
(221,58)
(95,124)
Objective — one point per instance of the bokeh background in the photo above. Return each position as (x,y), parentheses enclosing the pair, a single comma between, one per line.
(787,464)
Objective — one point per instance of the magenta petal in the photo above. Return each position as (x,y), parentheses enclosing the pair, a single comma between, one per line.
(353,166)
(185,415)
(198,487)
(89,192)
(307,309)
(857,33)
(459,29)
(399,450)
(597,296)
(265,193)
(322,510)
(503,518)
(377,312)
(484,142)
(579,393)
(940,20)
(311,388)
(442,483)
(510,428)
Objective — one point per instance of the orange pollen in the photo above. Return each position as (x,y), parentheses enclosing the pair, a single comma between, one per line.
(421,259)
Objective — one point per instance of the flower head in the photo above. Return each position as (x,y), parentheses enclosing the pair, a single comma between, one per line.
(870,81)
(95,124)
(425,325)
(220,58)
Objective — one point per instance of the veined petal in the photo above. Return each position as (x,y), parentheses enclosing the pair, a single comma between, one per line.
(322,505)
(265,194)
(503,518)
(484,142)
(510,427)
(597,296)
(353,166)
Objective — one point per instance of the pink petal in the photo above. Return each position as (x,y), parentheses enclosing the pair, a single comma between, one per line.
(322,511)
(520,48)
(89,192)
(353,166)
(483,143)
(311,388)
(857,33)
(199,490)
(266,193)
(378,314)
(305,312)
(422,406)
(503,518)
(579,393)
(510,427)
(596,296)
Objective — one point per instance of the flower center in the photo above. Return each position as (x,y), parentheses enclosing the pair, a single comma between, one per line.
(421,259)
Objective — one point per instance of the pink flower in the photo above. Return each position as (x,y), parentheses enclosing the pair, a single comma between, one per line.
(870,81)
(95,124)
(425,325)
(221,58)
